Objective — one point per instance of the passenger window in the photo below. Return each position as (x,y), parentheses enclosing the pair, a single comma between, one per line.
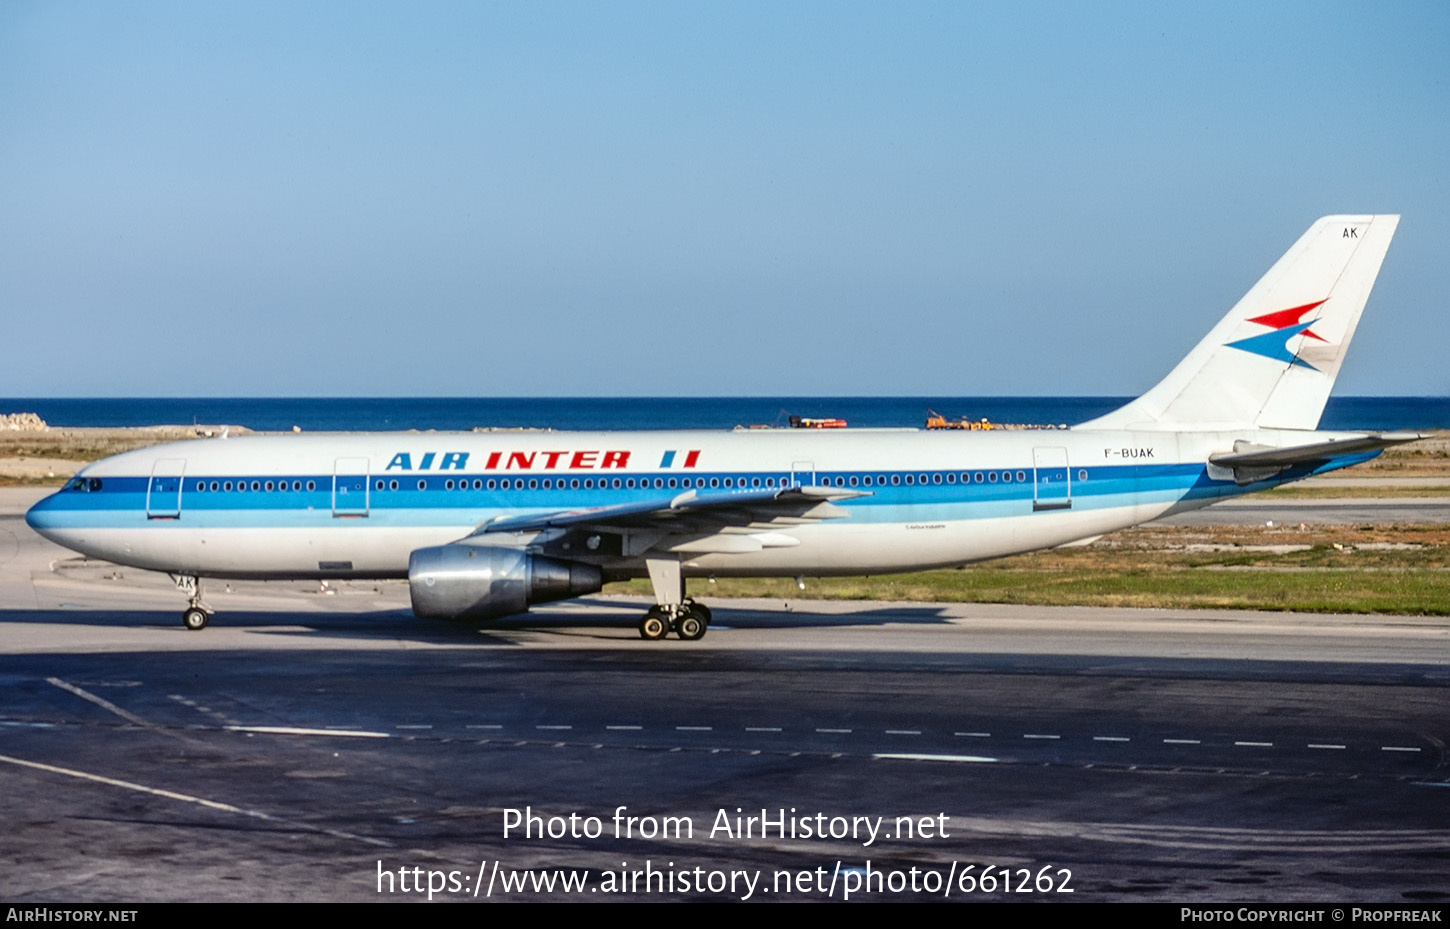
(311,485)
(1021,475)
(422,485)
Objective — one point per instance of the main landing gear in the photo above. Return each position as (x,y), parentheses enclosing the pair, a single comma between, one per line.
(673,611)
(688,620)
(197,614)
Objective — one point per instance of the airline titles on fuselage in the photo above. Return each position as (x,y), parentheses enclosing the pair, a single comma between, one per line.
(539,460)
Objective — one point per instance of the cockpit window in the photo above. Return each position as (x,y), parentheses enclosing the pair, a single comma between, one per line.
(84,484)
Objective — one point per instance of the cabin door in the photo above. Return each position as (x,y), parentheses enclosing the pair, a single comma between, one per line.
(802,473)
(1052,488)
(163,492)
(350,487)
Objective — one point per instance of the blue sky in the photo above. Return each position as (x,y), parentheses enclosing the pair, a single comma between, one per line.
(520,199)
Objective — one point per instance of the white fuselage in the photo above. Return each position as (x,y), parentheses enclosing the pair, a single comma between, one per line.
(358,505)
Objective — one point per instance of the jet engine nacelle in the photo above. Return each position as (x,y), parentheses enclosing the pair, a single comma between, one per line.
(461,581)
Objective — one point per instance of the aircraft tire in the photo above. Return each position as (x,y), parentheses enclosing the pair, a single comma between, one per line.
(195,619)
(654,626)
(691,626)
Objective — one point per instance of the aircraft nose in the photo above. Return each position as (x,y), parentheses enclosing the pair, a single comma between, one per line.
(42,517)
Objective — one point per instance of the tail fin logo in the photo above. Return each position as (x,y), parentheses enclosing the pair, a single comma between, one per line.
(1284,325)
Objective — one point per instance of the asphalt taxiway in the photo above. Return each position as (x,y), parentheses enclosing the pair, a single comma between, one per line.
(1345,511)
(321,744)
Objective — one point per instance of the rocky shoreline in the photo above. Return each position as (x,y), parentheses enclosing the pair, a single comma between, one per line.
(22,422)
(33,452)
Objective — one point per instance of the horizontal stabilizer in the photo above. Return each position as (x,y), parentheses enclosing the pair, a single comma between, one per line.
(1260,457)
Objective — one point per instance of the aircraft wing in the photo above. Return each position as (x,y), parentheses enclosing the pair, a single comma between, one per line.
(692,511)
(1248,456)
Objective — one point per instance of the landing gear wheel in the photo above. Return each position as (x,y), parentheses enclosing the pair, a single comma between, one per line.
(700,610)
(691,625)
(195,618)
(654,626)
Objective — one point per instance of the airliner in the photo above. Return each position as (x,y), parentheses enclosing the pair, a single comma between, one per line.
(484,525)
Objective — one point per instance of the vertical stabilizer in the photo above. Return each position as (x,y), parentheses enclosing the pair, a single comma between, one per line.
(1271,362)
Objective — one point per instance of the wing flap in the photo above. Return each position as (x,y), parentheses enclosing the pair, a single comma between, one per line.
(692,512)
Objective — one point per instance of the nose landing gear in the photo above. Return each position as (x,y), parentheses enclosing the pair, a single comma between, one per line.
(197,613)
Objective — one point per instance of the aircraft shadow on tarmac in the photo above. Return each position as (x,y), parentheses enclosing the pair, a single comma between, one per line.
(617,614)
